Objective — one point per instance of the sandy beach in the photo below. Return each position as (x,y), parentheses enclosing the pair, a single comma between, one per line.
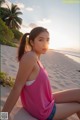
(63,74)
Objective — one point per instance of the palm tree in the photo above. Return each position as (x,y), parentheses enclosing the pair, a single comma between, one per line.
(2,10)
(1,2)
(3,13)
(11,18)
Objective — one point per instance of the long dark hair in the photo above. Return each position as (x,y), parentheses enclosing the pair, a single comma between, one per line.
(32,35)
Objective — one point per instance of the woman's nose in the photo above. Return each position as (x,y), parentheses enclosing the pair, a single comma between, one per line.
(45,42)
(45,45)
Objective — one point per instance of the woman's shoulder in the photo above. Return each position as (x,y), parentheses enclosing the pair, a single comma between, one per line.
(29,56)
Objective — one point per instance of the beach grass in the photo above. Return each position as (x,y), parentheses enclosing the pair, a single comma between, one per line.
(5,79)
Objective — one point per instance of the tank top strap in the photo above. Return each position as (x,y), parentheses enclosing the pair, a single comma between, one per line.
(39,63)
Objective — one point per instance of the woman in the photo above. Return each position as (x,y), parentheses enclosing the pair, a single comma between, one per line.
(32,83)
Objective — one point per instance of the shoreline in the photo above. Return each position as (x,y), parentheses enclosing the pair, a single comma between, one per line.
(71,54)
(75,58)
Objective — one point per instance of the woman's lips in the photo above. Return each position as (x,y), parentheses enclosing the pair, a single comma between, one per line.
(44,49)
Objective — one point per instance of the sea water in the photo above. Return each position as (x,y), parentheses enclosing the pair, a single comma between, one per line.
(75,55)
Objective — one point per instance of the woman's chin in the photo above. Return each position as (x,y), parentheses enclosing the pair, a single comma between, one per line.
(43,52)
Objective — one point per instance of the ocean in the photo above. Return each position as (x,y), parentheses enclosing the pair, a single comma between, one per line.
(75,55)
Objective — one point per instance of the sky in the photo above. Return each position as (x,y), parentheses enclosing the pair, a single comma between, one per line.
(60,17)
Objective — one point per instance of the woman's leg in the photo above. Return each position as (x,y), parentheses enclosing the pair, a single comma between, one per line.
(64,110)
(70,95)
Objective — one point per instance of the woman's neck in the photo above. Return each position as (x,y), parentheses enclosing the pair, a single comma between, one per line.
(37,54)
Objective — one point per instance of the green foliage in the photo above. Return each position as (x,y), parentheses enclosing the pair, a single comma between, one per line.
(3,41)
(5,32)
(17,34)
(11,16)
(6,35)
(5,79)
(3,13)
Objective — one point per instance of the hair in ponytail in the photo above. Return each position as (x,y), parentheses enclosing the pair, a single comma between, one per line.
(32,35)
(21,49)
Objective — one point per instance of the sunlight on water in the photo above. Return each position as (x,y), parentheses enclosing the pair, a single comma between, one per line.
(77,59)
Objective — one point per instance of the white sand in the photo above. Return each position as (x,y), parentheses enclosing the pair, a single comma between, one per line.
(62,72)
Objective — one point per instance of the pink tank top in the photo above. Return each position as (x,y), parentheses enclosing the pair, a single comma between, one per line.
(37,98)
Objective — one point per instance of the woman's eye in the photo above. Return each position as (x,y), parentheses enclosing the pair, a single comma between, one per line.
(44,40)
(40,40)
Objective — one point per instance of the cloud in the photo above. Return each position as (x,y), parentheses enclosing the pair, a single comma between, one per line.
(27,27)
(33,25)
(20,5)
(29,9)
(44,20)
(24,25)
(7,2)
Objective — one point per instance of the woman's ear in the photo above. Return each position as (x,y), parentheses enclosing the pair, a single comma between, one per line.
(31,42)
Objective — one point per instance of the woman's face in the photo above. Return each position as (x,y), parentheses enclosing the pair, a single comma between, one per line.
(41,43)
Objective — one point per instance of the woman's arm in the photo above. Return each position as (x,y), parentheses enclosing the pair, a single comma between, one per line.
(11,100)
(25,67)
